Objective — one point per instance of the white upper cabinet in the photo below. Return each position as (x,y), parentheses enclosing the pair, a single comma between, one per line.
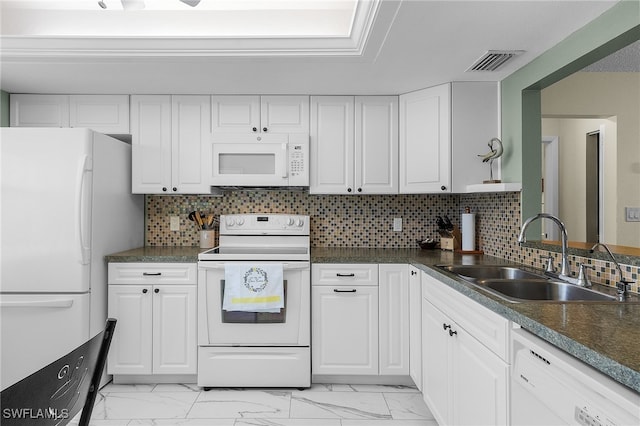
(332,142)
(170,144)
(260,114)
(354,145)
(39,111)
(425,148)
(376,154)
(442,131)
(284,114)
(102,113)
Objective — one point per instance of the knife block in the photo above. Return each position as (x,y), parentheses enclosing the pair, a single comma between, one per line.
(451,242)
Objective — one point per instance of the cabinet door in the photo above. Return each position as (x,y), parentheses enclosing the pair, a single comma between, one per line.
(415,325)
(102,113)
(151,144)
(191,144)
(284,114)
(39,111)
(394,319)
(235,114)
(344,330)
(130,351)
(480,383)
(376,144)
(436,368)
(174,329)
(425,141)
(332,145)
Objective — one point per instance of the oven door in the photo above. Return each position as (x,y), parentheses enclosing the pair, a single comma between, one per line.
(249,160)
(289,327)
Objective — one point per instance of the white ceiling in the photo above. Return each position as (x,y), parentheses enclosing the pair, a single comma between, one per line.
(393,47)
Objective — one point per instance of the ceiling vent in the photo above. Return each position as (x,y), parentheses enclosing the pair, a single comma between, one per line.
(494,59)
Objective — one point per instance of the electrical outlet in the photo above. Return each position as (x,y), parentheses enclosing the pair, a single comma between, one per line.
(632,214)
(174,223)
(397,224)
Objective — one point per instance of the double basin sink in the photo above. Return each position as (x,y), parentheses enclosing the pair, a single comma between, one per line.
(515,284)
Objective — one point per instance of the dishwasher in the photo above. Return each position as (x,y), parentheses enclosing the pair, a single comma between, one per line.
(551,387)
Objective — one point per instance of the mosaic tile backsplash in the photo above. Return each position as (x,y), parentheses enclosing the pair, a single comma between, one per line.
(366,221)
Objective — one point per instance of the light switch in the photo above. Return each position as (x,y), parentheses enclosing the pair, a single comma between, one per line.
(397,224)
(174,223)
(632,214)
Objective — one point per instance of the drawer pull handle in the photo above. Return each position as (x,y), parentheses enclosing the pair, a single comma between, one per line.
(152,274)
(337,290)
(445,326)
(345,275)
(452,332)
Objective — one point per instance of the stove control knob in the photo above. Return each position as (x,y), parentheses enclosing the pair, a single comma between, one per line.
(240,221)
(230,221)
(300,222)
(290,221)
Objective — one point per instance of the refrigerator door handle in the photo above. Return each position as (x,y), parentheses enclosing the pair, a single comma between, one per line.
(81,219)
(56,303)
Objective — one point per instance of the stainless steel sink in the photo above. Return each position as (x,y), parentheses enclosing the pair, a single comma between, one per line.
(542,290)
(478,272)
(515,284)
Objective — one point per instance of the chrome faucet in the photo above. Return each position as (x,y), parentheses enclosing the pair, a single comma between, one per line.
(564,267)
(622,286)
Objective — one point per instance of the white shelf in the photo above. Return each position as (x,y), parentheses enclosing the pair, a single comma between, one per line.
(494,187)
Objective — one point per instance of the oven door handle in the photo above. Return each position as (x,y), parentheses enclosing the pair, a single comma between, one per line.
(287,266)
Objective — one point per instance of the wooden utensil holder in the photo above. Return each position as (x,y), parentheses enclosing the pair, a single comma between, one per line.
(451,242)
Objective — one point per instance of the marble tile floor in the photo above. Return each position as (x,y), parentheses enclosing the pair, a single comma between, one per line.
(320,405)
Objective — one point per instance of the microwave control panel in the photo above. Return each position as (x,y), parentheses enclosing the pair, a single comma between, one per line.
(298,164)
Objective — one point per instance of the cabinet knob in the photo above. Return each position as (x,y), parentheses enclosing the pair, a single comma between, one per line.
(144,290)
(255,129)
(157,290)
(452,332)
(359,189)
(264,129)
(174,189)
(445,326)
(348,189)
(164,189)
(444,188)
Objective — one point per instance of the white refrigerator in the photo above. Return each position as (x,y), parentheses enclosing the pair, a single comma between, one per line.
(65,203)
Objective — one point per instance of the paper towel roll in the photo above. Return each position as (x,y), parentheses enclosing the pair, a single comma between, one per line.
(468,231)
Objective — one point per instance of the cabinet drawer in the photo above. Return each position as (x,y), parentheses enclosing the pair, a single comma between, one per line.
(488,327)
(344,274)
(153,273)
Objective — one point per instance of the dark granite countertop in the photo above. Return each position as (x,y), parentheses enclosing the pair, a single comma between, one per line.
(606,336)
(157,254)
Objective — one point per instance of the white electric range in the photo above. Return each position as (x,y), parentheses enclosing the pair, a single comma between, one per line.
(245,348)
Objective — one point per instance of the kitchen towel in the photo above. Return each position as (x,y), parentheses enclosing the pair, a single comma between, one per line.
(253,287)
(468,231)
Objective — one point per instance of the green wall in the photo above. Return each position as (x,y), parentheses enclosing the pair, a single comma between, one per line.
(4,109)
(521,126)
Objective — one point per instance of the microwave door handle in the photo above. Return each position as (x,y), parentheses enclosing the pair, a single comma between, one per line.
(285,163)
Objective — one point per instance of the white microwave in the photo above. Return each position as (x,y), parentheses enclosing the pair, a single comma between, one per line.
(260,160)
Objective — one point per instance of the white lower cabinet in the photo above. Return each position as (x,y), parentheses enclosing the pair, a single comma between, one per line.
(393,327)
(345,330)
(465,376)
(155,306)
(360,319)
(415,326)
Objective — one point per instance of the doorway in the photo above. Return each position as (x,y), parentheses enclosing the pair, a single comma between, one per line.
(592,185)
